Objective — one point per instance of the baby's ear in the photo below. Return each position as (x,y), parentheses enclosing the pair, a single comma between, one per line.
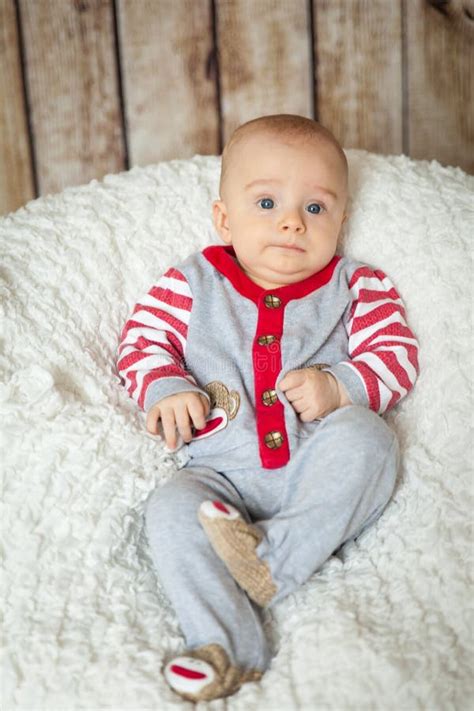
(221,222)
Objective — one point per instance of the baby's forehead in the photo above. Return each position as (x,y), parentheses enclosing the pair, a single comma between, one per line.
(266,141)
(239,154)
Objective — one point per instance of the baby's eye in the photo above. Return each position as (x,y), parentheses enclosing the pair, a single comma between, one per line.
(266,203)
(315,209)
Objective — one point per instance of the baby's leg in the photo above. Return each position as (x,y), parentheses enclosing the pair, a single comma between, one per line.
(212,610)
(339,481)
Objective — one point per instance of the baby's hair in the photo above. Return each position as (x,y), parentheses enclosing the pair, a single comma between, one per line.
(289,126)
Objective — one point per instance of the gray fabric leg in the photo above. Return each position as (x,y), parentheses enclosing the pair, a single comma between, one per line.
(209,604)
(340,479)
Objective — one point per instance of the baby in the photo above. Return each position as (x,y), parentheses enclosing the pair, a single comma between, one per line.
(267,362)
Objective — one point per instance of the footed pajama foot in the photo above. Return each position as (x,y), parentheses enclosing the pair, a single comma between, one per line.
(234,540)
(206,673)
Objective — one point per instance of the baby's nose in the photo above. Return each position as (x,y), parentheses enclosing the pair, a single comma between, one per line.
(292,223)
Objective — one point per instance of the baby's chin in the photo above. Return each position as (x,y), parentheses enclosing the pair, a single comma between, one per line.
(275,277)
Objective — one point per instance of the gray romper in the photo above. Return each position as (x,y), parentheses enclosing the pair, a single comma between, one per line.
(310,487)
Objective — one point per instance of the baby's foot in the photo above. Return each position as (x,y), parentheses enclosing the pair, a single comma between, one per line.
(234,540)
(206,673)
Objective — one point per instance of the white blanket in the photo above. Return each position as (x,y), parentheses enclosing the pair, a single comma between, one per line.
(387,624)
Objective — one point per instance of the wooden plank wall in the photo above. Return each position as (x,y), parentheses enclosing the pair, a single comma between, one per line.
(90,87)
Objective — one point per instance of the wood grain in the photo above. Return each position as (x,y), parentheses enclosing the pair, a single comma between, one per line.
(440,88)
(264,59)
(358,50)
(72,80)
(169,79)
(16,171)
(389,76)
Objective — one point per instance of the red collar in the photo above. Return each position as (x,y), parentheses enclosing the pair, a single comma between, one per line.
(220,257)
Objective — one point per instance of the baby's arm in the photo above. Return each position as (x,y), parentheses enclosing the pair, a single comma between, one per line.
(383,355)
(151,360)
(383,351)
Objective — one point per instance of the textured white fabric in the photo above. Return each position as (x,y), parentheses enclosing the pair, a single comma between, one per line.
(387,623)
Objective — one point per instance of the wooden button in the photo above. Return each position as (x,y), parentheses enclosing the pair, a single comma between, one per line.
(266,340)
(274,440)
(269,397)
(272,302)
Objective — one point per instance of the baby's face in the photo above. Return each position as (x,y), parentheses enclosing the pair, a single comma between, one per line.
(283,207)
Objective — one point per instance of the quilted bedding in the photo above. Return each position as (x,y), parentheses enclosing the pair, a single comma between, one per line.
(387,622)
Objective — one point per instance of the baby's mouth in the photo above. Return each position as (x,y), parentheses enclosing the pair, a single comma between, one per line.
(291,247)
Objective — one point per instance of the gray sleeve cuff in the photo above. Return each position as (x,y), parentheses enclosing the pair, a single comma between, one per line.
(352,382)
(164,387)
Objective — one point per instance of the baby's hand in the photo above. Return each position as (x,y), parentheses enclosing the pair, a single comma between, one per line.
(313,393)
(177,412)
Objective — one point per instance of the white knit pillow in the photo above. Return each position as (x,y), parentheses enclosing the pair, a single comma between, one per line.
(81,591)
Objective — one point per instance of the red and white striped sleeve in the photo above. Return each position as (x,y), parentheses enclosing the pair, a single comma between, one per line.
(150,359)
(382,348)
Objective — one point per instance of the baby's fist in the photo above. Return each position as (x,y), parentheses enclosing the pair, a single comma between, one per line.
(313,393)
(178,413)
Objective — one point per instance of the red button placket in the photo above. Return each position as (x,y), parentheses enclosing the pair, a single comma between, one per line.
(275,451)
(267,366)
